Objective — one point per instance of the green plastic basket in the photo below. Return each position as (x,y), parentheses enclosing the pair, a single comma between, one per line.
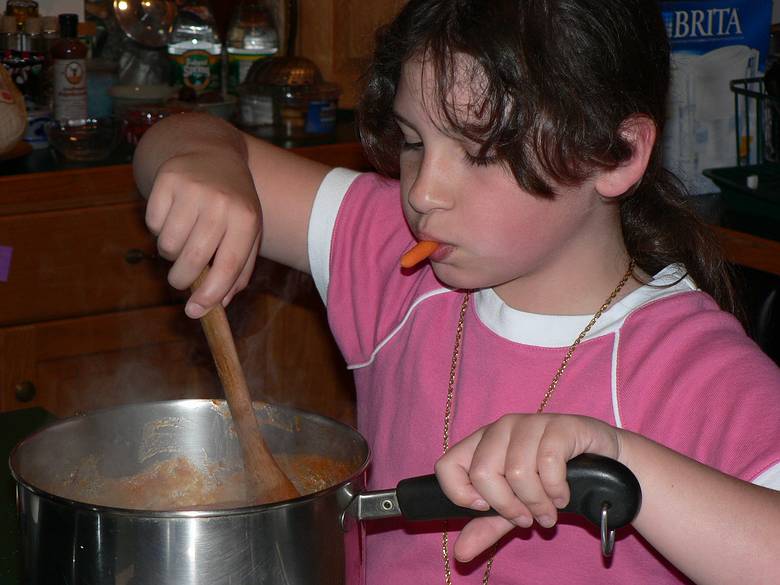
(750,196)
(750,191)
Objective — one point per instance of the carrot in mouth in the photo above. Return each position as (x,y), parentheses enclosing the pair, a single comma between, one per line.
(418,253)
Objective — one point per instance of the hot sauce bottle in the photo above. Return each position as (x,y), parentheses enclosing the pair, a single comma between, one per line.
(70,71)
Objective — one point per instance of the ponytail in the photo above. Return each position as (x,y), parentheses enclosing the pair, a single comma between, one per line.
(661,227)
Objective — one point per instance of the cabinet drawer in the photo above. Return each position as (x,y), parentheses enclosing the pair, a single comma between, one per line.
(80,262)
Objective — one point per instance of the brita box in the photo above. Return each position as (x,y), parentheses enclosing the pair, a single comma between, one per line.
(713,42)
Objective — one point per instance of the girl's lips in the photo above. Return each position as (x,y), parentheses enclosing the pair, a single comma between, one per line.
(441,253)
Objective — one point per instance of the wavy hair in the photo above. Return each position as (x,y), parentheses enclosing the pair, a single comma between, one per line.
(558,79)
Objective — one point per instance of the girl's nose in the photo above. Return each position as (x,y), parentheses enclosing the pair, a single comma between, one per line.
(431,189)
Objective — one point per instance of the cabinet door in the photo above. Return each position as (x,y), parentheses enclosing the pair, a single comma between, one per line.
(338,35)
(99,361)
(82,364)
(79,262)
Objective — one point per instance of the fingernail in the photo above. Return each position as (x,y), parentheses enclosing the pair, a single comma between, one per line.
(522,521)
(194,310)
(546,521)
(559,503)
(481,505)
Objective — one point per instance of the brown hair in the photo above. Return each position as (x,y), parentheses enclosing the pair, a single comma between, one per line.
(560,78)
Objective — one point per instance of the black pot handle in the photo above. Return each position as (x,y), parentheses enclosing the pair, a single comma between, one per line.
(602,490)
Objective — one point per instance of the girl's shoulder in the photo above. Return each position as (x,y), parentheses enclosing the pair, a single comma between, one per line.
(670,311)
(687,375)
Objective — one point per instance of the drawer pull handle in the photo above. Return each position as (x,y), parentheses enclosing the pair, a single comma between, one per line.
(134,256)
(25,391)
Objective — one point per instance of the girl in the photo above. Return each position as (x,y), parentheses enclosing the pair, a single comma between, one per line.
(572,304)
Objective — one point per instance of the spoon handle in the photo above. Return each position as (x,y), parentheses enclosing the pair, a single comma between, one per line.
(266,478)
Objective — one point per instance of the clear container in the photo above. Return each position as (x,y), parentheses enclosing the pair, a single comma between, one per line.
(288,97)
(137,120)
(88,139)
(195,48)
(21,10)
(124,97)
(252,35)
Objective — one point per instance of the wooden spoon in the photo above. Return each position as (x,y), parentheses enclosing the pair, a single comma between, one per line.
(266,479)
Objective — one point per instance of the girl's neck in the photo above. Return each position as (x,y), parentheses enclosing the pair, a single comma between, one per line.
(571,286)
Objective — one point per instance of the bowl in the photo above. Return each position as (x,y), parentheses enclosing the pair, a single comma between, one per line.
(224,108)
(137,120)
(218,105)
(127,96)
(89,139)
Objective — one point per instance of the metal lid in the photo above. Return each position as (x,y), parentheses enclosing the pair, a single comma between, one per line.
(284,71)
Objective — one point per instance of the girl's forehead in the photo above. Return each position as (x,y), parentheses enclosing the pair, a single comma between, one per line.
(446,91)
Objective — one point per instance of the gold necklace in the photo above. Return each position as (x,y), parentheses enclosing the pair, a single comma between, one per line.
(542,405)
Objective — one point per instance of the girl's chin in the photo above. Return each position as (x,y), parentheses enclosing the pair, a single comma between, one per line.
(457,278)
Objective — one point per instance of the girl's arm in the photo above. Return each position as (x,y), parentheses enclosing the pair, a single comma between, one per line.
(217,194)
(714,528)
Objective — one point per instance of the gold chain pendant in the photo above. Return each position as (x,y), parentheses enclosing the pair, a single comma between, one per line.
(545,399)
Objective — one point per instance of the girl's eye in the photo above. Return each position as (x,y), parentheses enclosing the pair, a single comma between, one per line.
(481,161)
(411,145)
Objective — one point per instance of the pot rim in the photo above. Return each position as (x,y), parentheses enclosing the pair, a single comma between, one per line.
(192,512)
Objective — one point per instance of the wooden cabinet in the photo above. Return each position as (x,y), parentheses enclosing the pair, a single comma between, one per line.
(338,35)
(87,319)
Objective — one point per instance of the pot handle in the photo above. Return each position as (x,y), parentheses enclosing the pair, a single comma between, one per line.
(603,490)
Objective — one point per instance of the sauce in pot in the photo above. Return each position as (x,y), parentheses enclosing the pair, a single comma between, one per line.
(178,484)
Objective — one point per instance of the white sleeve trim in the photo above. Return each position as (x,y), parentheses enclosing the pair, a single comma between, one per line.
(398,327)
(769,478)
(321,223)
(613,377)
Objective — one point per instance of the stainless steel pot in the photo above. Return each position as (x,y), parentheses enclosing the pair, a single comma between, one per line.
(304,541)
(67,542)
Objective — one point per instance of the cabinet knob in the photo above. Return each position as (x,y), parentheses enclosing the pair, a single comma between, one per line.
(25,391)
(134,256)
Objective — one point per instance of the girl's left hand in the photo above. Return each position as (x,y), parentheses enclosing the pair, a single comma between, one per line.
(517,466)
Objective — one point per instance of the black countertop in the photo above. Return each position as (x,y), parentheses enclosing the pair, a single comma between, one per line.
(46,159)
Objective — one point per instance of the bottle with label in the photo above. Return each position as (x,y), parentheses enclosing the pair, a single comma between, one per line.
(195,48)
(70,72)
(252,35)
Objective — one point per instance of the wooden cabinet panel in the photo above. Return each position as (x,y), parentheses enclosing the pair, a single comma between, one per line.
(338,35)
(88,320)
(73,365)
(93,362)
(80,261)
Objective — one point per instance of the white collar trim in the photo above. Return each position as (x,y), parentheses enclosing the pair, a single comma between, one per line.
(561,330)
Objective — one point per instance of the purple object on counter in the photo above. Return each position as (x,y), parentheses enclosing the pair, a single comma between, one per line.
(5,262)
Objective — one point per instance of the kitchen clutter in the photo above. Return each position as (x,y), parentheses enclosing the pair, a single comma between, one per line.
(287,96)
(96,80)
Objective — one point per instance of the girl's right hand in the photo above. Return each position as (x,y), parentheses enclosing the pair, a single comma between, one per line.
(203,207)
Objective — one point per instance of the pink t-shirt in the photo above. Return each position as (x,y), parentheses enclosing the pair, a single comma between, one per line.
(664,362)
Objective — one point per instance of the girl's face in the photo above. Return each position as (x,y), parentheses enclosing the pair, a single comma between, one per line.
(491,232)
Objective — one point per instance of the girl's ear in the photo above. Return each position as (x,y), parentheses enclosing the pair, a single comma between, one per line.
(640,133)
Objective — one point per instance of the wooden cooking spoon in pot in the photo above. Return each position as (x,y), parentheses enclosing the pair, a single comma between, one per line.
(266,479)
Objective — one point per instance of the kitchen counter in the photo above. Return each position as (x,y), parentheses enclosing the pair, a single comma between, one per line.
(14,426)
(46,160)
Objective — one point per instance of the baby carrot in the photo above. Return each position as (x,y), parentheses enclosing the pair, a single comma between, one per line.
(419,253)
